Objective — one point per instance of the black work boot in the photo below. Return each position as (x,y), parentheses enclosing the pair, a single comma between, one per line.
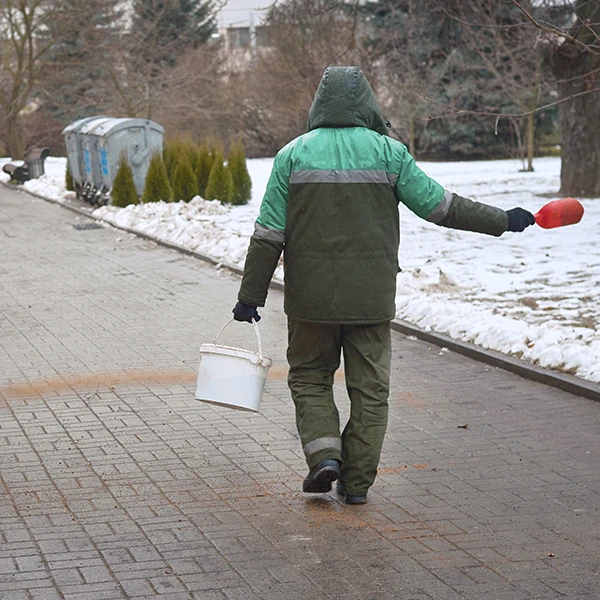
(359,499)
(319,478)
(348,498)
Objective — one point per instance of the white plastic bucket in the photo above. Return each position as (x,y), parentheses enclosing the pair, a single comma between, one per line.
(232,377)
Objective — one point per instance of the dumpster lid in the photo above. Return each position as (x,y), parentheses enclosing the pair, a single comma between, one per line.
(77,125)
(110,126)
(91,126)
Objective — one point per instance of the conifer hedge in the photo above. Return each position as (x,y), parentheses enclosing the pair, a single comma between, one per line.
(242,184)
(157,186)
(123,191)
(204,164)
(220,183)
(201,170)
(170,157)
(69,179)
(184,179)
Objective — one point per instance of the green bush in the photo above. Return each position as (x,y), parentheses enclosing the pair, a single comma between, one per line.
(157,186)
(220,183)
(204,163)
(123,191)
(170,154)
(242,184)
(69,179)
(192,152)
(184,179)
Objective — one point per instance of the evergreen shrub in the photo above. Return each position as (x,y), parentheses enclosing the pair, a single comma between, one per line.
(157,186)
(220,183)
(184,179)
(242,184)
(169,158)
(173,149)
(204,164)
(192,152)
(69,179)
(123,191)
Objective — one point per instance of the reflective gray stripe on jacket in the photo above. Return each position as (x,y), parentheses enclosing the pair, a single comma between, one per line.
(267,233)
(441,210)
(343,176)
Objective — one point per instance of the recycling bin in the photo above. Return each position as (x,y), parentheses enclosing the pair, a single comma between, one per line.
(94,190)
(103,140)
(139,139)
(74,138)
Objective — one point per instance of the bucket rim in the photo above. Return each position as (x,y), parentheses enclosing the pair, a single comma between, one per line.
(226,350)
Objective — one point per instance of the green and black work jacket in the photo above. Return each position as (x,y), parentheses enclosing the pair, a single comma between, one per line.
(331,205)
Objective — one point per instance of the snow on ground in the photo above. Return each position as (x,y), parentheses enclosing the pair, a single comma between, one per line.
(533,295)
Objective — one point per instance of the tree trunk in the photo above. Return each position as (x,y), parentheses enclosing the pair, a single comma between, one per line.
(521,148)
(411,133)
(15,148)
(530,140)
(534,103)
(579,121)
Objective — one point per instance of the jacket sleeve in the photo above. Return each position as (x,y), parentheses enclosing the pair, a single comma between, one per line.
(268,239)
(469,215)
(428,200)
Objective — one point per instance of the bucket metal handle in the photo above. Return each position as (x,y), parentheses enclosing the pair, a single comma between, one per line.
(260,351)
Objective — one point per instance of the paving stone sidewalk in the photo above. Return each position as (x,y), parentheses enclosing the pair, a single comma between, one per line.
(115,483)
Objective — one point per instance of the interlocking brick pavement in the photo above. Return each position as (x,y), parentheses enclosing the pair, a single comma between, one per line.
(116,483)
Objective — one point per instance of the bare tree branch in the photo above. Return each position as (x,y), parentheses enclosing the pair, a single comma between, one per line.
(453,111)
(560,32)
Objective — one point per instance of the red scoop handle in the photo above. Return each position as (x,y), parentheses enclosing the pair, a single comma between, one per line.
(558,213)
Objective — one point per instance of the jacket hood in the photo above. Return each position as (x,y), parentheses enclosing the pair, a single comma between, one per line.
(344,98)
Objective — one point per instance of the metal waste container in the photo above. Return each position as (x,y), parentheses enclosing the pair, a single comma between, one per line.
(139,139)
(94,190)
(75,152)
(103,140)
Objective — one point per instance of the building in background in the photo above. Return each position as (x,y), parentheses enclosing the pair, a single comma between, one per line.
(240,24)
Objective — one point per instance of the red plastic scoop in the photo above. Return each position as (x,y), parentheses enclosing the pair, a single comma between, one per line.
(558,213)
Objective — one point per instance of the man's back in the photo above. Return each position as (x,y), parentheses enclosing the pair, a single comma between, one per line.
(342,229)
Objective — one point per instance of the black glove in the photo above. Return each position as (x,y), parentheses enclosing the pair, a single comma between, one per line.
(245,312)
(519,218)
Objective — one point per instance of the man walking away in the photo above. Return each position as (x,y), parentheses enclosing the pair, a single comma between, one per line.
(331,205)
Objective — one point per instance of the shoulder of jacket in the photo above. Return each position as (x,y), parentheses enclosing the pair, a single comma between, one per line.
(286,154)
(297,141)
(395,145)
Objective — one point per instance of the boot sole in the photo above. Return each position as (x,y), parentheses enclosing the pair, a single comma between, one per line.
(320,482)
(355,500)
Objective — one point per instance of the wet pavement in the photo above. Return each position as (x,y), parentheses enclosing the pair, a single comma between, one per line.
(116,483)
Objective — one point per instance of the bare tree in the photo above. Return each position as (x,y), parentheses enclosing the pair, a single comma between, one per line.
(74,81)
(402,38)
(24,43)
(448,69)
(152,48)
(571,31)
(507,66)
(303,38)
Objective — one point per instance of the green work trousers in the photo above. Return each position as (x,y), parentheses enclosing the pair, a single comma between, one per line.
(314,356)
